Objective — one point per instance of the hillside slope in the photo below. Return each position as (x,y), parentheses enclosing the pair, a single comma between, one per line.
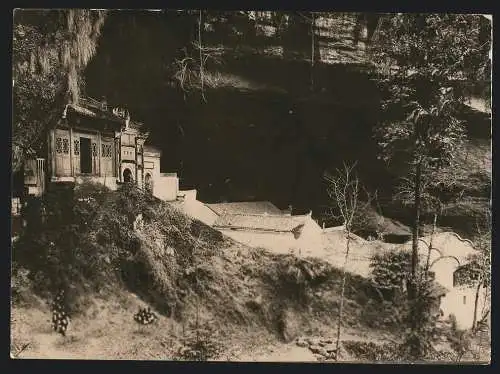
(186,271)
(114,252)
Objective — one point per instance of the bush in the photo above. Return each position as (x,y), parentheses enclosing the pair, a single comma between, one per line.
(369,351)
(390,270)
(20,283)
(385,314)
(295,277)
(421,318)
(460,340)
(200,344)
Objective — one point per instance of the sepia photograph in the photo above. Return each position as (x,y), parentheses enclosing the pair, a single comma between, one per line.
(251,186)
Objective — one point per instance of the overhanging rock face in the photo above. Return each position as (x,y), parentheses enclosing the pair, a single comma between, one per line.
(336,38)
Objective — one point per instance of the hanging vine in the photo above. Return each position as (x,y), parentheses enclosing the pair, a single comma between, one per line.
(190,70)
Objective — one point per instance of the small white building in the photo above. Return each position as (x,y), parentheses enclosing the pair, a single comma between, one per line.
(260,224)
(448,254)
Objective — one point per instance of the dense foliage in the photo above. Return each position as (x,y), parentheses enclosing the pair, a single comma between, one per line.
(390,270)
(426,60)
(50,51)
(391,273)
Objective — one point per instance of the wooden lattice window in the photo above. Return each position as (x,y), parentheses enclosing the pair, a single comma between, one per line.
(106,150)
(76,147)
(59,145)
(65,146)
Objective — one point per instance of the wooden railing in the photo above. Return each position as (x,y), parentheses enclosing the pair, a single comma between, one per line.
(34,176)
(40,163)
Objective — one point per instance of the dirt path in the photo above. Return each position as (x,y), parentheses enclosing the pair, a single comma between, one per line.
(112,336)
(280,353)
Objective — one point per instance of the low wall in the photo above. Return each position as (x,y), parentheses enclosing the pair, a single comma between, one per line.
(166,187)
(278,242)
(188,195)
(196,209)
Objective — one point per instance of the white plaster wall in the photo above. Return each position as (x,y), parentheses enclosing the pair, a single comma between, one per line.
(276,242)
(443,269)
(196,209)
(166,188)
(453,303)
(311,237)
(310,240)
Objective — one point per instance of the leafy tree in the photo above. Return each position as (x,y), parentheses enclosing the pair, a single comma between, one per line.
(50,50)
(425,59)
(438,188)
(34,92)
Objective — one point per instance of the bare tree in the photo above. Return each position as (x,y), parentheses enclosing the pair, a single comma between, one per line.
(344,190)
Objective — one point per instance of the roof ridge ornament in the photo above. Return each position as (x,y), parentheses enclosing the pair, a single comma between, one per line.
(122,113)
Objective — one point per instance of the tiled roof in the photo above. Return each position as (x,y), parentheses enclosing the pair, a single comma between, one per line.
(82,110)
(279,223)
(88,106)
(252,207)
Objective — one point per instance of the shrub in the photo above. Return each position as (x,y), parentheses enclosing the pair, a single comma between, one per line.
(390,270)
(369,351)
(385,314)
(200,344)
(20,283)
(460,340)
(422,320)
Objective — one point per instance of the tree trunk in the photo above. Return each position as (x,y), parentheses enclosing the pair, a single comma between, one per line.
(476,300)
(434,225)
(412,290)
(341,307)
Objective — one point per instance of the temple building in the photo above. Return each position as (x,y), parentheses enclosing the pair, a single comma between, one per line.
(92,142)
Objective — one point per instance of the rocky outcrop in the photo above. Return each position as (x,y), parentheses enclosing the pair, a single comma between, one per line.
(322,348)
